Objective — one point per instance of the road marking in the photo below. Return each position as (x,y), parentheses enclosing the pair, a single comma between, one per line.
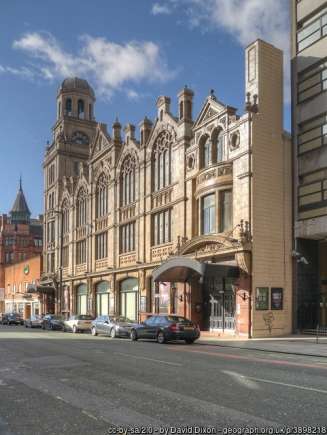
(253,359)
(89,415)
(284,384)
(149,359)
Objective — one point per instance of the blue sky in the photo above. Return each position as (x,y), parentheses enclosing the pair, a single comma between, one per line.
(131,51)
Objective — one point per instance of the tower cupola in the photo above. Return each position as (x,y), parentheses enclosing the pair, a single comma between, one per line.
(75,98)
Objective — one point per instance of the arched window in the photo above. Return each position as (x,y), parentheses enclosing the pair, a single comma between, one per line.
(68,107)
(102,290)
(81,299)
(59,110)
(101,201)
(220,146)
(80,109)
(128,298)
(181,110)
(81,208)
(65,216)
(127,180)
(206,152)
(161,167)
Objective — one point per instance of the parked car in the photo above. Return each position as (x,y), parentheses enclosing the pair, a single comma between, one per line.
(165,328)
(52,322)
(33,322)
(4,318)
(114,326)
(12,319)
(79,323)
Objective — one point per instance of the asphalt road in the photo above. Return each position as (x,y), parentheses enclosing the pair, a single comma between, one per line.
(61,383)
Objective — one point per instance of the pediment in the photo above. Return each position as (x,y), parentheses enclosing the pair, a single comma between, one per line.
(210,109)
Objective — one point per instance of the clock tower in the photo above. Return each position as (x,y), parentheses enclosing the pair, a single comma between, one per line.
(65,158)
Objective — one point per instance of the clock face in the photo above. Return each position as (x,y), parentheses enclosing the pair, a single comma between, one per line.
(80,138)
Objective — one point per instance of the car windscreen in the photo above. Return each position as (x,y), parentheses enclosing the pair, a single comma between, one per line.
(84,317)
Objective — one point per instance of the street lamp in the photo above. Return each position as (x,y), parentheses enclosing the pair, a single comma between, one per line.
(59,293)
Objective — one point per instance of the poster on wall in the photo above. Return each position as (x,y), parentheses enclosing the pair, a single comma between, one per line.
(276,298)
(262,298)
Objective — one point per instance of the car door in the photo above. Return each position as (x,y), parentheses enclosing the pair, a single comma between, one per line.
(99,324)
(106,325)
(149,330)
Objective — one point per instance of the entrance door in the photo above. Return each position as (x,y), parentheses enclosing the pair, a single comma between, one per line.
(221,304)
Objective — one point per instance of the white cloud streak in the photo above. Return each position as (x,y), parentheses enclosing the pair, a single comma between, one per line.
(106,64)
(160,9)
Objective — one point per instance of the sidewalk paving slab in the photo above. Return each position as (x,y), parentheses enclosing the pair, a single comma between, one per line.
(294,345)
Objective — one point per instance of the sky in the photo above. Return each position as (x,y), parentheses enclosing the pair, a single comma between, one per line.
(130,51)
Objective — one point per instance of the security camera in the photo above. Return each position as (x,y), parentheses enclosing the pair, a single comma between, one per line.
(303,260)
(296,254)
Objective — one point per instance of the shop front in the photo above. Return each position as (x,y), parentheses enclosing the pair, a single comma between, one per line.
(128,300)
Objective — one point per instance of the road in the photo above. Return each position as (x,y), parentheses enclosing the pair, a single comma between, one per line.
(61,383)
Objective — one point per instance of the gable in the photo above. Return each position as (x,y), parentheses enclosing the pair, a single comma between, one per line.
(210,109)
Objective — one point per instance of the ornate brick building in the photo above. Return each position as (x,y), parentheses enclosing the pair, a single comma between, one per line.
(20,237)
(193,216)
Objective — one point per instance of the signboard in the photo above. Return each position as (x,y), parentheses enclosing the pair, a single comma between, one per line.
(262,298)
(276,298)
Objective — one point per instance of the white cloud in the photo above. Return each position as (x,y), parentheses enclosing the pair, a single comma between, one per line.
(22,72)
(246,21)
(106,64)
(160,9)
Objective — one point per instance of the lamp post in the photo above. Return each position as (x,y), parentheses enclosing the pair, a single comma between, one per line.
(59,288)
(251,108)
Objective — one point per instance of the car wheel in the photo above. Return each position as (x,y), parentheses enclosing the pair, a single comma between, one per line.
(133,335)
(94,332)
(189,341)
(113,333)
(74,329)
(161,339)
(64,329)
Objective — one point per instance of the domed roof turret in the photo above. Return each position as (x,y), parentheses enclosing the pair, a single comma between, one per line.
(76,84)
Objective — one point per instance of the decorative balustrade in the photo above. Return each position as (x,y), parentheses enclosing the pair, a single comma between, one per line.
(81,232)
(222,173)
(127,212)
(101,223)
(162,197)
(80,268)
(127,259)
(101,264)
(161,252)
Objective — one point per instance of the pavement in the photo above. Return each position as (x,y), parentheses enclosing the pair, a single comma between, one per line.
(55,383)
(295,344)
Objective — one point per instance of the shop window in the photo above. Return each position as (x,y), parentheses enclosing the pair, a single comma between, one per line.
(129,298)
(102,290)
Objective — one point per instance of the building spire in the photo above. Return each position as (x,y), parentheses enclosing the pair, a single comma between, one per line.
(20,212)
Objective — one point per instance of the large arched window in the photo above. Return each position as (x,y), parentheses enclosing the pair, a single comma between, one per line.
(127,180)
(68,106)
(81,299)
(102,290)
(128,298)
(80,109)
(101,198)
(161,169)
(218,145)
(81,208)
(206,152)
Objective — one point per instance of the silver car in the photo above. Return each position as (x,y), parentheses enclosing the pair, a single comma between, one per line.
(114,326)
(78,323)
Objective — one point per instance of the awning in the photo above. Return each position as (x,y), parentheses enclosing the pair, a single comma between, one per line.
(178,269)
(182,269)
(45,289)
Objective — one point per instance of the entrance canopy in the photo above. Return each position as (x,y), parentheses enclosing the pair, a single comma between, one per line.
(182,269)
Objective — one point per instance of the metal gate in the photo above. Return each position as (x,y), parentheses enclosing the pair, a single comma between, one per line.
(222,304)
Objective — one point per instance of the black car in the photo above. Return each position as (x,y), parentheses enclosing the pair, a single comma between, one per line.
(115,326)
(12,319)
(33,322)
(4,319)
(165,328)
(52,322)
